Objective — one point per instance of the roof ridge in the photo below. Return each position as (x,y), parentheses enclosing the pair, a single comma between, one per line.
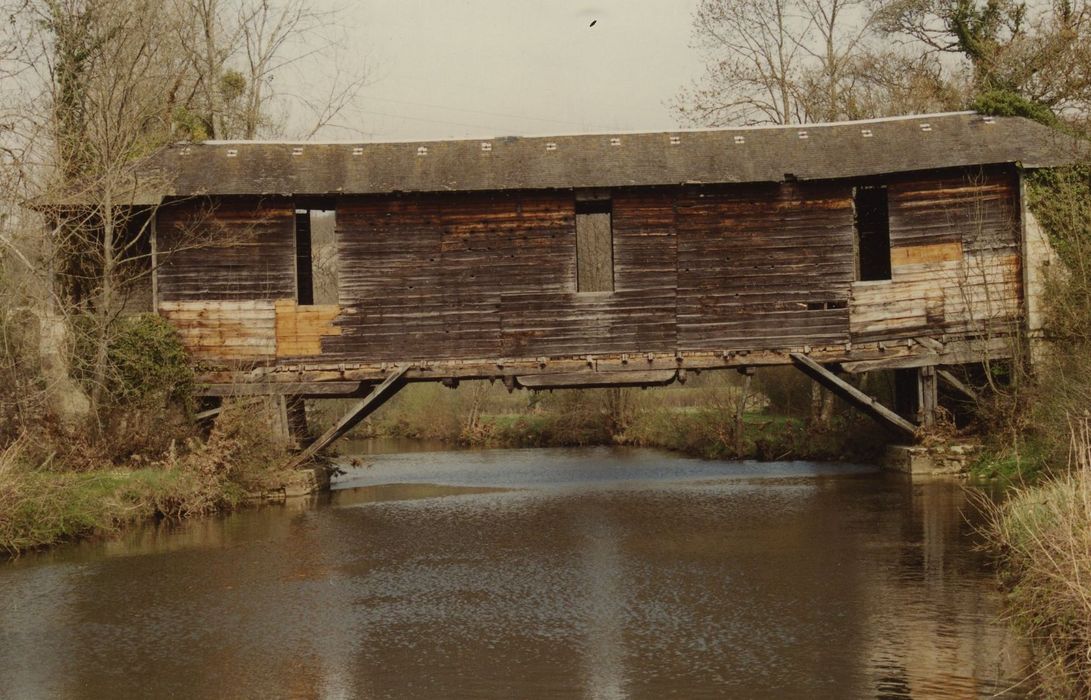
(639,132)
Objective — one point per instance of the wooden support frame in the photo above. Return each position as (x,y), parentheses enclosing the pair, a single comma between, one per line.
(390,386)
(575,380)
(320,377)
(953,382)
(928,396)
(307,390)
(867,404)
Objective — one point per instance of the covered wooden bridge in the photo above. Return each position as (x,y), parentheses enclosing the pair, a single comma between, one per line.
(601,260)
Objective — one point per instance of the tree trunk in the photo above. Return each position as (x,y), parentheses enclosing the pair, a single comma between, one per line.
(104,310)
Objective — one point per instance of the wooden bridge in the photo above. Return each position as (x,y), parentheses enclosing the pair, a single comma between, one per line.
(339,270)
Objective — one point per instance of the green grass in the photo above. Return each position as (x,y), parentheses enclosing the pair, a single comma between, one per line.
(41,507)
(41,504)
(1005,467)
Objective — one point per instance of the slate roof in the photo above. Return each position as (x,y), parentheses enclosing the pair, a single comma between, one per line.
(765,154)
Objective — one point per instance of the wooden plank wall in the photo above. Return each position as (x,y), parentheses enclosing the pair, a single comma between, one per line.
(300,329)
(765,267)
(482,276)
(233,331)
(230,250)
(222,268)
(472,276)
(955,259)
(594,252)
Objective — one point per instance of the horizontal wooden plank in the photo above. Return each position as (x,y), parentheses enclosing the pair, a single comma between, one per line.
(925,254)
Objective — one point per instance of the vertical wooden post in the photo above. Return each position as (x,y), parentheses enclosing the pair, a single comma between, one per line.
(740,409)
(296,414)
(928,398)
(153,240)
(280,418)
(906,393)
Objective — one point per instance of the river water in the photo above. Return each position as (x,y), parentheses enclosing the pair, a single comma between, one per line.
(589,573)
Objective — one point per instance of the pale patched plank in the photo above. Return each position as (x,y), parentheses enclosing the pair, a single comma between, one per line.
(925,254)
(234,330)
(300,329)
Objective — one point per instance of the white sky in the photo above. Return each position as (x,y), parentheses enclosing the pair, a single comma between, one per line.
(474,68)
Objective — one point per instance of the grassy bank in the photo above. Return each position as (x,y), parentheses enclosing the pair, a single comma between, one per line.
(43,503)
(1044,534)
(135,453)
(1037,429)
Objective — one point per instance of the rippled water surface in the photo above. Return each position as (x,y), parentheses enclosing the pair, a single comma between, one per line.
(598,573)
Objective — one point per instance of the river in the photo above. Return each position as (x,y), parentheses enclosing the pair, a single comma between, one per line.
(583,573)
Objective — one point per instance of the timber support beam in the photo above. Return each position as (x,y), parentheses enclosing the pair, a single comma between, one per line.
(378,396)
(953,382)
(869,405)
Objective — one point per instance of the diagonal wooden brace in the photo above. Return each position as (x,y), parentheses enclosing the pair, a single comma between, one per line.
(378,396)
(869,405)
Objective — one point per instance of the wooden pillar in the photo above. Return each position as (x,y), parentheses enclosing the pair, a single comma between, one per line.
(290,420)
(928,397)
(280,418)
(296,412)
(378,396)
(915,395)
(906,393)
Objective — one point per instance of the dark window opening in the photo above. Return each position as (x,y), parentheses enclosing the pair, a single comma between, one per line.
(304,276)
(826,305)
(594,246)
(872,226)
(315,256)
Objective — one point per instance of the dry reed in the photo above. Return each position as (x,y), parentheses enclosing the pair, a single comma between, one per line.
(1044,532)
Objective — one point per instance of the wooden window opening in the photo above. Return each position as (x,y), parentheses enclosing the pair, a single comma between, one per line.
(594,246)
(304,274)
(872,233)
(315,256)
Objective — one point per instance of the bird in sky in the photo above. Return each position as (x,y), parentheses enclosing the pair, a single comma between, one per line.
(593,22)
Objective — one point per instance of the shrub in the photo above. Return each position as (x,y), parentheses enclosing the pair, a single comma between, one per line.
(41,504)
(1008,103)
(147,363)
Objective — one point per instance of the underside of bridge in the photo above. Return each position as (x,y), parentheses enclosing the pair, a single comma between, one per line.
(918,368)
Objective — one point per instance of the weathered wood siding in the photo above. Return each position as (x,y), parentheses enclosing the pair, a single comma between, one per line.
(765,267)
(955,259)
(226,249)
(235,331)
(480,276)
(222,266)
(491,276)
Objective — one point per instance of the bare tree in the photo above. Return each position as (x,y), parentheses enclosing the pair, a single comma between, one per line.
(97,85)
(237,48)
(752,63)
(1037,51)
(840,30)
(109,61)
(774,61)
(790,61)
(90,88)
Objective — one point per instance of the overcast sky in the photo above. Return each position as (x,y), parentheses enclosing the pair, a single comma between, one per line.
(472,68)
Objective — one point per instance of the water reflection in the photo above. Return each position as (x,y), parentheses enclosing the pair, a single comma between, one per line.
(603,579)
(599,574)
